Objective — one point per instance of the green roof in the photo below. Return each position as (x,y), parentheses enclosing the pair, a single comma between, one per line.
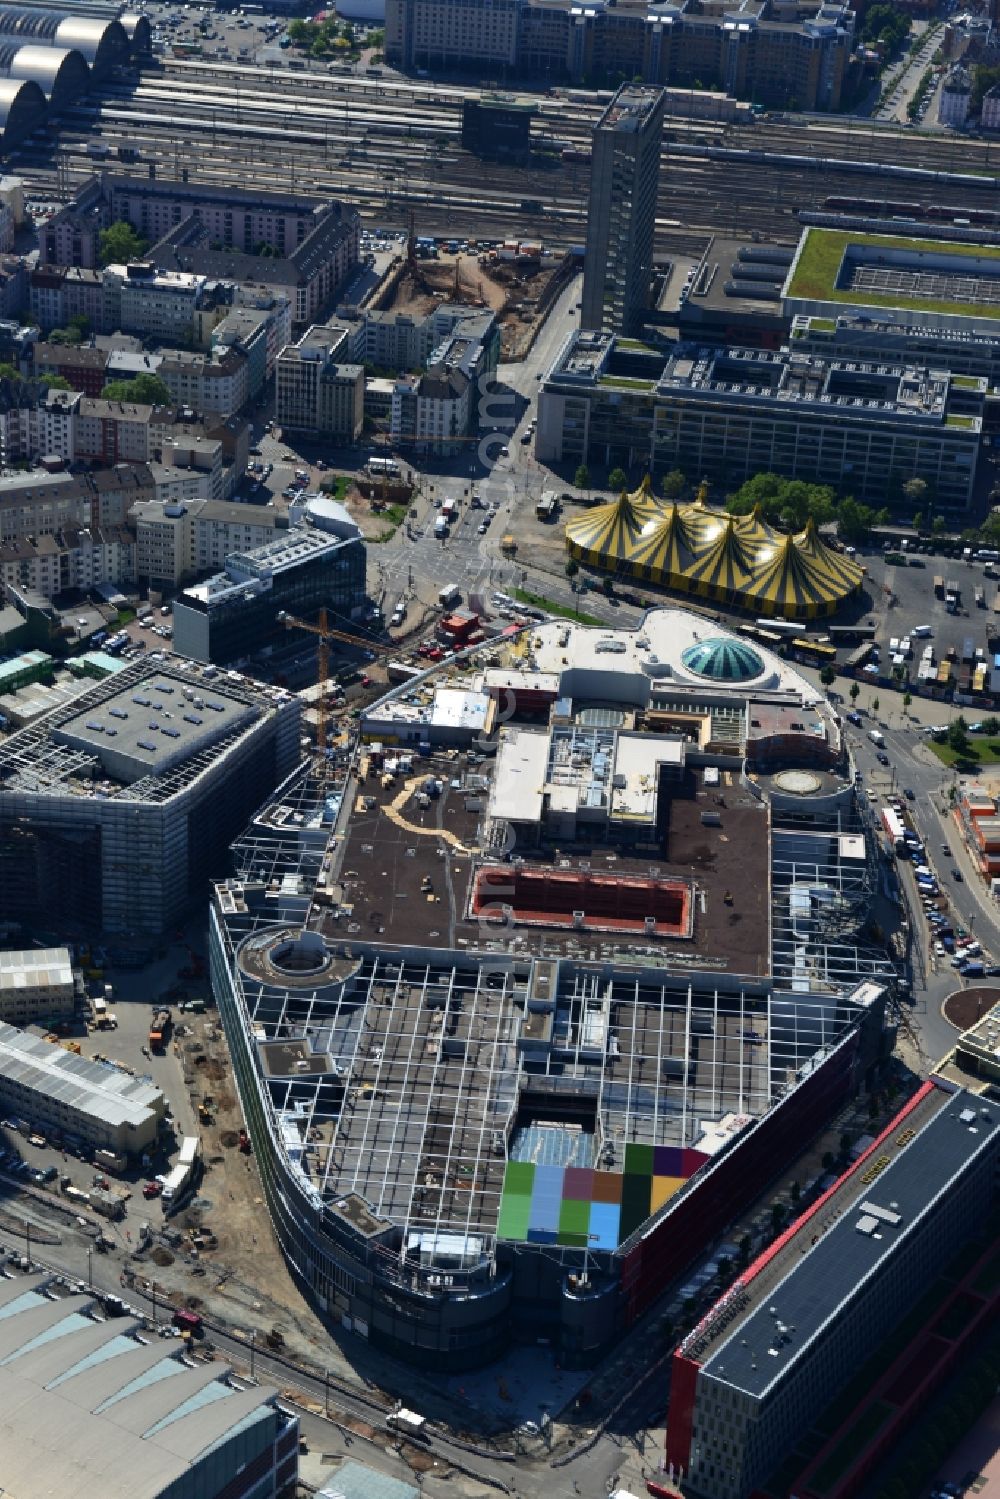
(821,254)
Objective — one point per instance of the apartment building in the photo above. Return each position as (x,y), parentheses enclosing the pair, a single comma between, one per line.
(74,557)
(317,390)
(260,329)
(730,413)
(84,368)
(216,383)
(41,503)
(149,302)
(176,539)
(308,275)
(431,410)
(787,56)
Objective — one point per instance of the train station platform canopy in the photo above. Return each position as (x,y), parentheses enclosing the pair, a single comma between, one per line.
(737,560)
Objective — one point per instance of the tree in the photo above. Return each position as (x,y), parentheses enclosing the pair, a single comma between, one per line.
(144,390)
(855,689)
(617,480)
(875,704)
(81,323)
(120,244)
(672,484)
(582,478)
(572,567)
(916,491)
(608,584)
(937,525)
(907,700)
(828,676)
(958,736)
(918,521)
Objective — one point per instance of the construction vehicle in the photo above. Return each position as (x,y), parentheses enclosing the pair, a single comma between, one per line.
(159,1029)
(325,634)
(204,1112)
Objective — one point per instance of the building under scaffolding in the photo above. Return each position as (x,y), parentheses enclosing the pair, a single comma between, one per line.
(468,1147)
(119,806)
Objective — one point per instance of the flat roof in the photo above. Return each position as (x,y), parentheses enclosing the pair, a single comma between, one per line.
(93,1088)
(518,792)
(35,968)
(792,1294)
(149,727)
(818,263)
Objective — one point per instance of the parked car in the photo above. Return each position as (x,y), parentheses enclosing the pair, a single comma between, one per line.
(956,874)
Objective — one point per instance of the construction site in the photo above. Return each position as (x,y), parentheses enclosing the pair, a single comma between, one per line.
(517,280)
(504,1082)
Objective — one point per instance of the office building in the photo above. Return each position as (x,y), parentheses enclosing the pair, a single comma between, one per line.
(871,339)
(317,390)
(96,1404)
(803,1319)
(921,283)
(116,807)
(730,413)
(787,57)
(64,1094)
(626,145)
(36,985)
(236,613)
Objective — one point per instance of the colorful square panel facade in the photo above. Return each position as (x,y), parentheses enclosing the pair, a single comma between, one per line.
(582,1208)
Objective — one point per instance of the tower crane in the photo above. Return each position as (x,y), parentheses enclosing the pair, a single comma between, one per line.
(324,633)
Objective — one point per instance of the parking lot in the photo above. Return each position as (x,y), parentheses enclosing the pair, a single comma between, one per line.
(904,603)
(131,1003)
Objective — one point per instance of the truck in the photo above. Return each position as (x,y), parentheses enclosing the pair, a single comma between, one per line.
(449,509)
(75,1195)
(877,737)
(159,1029)
(952,594)
(188,1321)
(108,1204)
(410,1423)
(98,148)
(938,586)
(110,1160)
(449,595)
(441,527)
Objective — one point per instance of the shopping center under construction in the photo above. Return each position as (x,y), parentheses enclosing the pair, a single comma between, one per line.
(522,1021)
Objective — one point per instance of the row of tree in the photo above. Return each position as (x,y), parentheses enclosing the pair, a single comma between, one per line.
(784,502)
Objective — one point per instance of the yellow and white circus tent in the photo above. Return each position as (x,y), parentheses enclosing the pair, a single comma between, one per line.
(739,560)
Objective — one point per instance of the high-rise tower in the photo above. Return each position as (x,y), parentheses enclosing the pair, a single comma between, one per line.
(624,179)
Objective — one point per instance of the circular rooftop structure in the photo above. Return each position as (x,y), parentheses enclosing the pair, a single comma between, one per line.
(798,782)
(723,659)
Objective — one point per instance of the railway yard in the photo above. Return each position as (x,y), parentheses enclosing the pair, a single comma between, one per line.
(393,146)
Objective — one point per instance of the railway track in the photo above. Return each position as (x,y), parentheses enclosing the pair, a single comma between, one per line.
(394,147)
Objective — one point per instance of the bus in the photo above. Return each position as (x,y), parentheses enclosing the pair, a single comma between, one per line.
(547,505)
(782,626)
(812,653)
(851,634)
(383,467)
(770,638)
(859,657)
